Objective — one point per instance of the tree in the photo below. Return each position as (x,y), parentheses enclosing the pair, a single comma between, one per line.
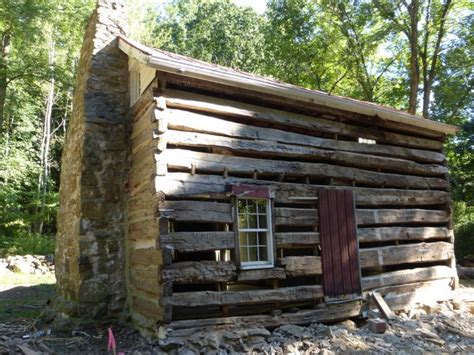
(20,30)
(293,45)
(359,50)
(45,37)
(404,18)
(424,25)
(199,28)
(453,102)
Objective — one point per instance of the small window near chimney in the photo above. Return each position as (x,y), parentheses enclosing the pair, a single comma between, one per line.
(367,141)
(134,86)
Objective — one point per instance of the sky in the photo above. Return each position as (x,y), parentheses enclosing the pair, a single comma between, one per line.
(258,5)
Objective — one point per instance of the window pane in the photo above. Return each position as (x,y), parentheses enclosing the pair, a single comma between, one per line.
(252,254)
(252,238)
(252,221)
(262,206)
(243,254)
(242,221)
(262,238)
(262,221)
(243,238)
(263,253)
(252,206)
(242,206)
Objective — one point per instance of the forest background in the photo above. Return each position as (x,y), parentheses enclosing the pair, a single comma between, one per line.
(414,55)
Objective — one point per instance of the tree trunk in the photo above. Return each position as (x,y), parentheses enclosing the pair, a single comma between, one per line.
(5,49)
(430,73)
(46,142)
(414,67)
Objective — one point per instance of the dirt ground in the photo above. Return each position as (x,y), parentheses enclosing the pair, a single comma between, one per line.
(440,327)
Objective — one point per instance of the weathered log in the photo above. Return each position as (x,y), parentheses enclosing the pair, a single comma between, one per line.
(404,254)
(286,103)
(211,298)
(296,216)
(189,121)
(146,138)
(301,216)
(200,272)
(144,122)
(375,257)
(221,213)
(275,273)
(296,239)
(403,296)
(198,211)
(185,159)
(407,276)
(267,148)
(198,241)
(301,265)
(402,233)
(328,313)
(222,107)
(144,100)
(392,216)
(184,184)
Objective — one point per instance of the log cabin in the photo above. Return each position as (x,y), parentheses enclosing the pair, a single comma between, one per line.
(194,195)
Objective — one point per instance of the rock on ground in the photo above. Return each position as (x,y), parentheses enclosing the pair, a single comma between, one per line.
(27,264)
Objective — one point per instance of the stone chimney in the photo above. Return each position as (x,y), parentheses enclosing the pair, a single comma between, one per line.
(90,239)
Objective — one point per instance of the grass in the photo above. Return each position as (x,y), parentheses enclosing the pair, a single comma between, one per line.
(24,302)
(17,279)
(24,295)
(467,282)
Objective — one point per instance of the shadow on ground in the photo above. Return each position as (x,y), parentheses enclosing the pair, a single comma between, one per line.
(24,302)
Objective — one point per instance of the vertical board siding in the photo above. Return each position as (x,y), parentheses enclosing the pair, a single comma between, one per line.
(339,246)
(352,242)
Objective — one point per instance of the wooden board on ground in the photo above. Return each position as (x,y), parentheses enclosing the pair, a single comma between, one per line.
(382,305)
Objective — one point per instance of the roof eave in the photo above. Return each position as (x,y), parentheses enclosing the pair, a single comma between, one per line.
(267,86)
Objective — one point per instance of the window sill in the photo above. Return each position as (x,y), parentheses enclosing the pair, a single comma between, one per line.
(256,266)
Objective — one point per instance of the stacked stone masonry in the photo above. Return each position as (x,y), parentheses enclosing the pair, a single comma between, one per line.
(90,242)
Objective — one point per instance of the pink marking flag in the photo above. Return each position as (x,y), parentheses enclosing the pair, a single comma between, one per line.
(112,345)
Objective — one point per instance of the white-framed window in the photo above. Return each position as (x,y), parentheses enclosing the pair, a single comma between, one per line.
(134,85)
(254,229)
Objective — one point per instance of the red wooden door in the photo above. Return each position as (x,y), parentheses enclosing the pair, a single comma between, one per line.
(339,245)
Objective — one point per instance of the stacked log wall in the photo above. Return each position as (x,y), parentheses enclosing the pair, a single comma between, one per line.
(144,259)
(210,140)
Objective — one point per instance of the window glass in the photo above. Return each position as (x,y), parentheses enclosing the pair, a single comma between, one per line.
(254,233)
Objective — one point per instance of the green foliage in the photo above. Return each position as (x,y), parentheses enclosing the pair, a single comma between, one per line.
(215,31)
(18,244)
(464,245)
(40,42)
(463,213)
